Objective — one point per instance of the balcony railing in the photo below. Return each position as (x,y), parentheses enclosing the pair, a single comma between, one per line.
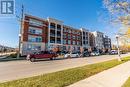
(52,35)
(52,41)
(58,34)
(52,27)
(58,29)
(59,42)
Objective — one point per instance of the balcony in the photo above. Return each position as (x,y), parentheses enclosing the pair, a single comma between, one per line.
(58,35)
(59,42)
(52,41)
(58,29)
(52,27)
(52,35)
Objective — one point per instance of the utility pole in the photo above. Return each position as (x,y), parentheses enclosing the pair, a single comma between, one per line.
(21,27)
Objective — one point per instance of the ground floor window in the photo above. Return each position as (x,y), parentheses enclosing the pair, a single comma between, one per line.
(64,48)
(33,47)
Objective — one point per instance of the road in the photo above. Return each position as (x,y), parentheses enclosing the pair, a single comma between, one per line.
(21,69)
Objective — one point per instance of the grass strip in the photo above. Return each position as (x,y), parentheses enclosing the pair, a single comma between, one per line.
(127,83)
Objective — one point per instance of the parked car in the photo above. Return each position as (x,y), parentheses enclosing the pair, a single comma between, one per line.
(112,52)
(41,55)
(95,54)
(86,54)
(71,55)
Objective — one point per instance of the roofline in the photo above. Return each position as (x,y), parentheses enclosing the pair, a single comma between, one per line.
(35,17)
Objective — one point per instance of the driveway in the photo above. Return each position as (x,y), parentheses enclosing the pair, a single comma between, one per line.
(21,69)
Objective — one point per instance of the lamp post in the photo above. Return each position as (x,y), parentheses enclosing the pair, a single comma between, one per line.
(21,21)
(119,57)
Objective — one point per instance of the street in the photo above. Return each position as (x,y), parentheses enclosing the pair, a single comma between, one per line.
(21,69)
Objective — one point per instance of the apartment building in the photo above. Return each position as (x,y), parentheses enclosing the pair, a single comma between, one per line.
(85,38)
(51,34)
(34,34)
(55,34)
(99,40)
(92,41)
(71,39)
(107,43)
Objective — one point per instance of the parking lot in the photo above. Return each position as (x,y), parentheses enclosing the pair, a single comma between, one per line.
(21,69)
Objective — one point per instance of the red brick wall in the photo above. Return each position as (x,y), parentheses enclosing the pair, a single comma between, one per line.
(26,27)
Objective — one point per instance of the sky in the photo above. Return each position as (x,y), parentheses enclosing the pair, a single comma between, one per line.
(75,13)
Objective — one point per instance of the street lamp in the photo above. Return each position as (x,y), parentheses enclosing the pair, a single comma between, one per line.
(18,54)
(119,57)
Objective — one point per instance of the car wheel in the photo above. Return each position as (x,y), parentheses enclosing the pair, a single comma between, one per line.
(51,58)
(77,56)
(68,56)
(32,59)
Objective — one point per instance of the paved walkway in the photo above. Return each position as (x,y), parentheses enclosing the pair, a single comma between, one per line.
(114,77)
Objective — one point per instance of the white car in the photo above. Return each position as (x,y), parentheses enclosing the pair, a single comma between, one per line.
(71,55)
(95,54)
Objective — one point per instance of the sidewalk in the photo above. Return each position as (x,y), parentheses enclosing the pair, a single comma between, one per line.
(114,77)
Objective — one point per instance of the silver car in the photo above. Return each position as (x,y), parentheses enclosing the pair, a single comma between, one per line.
(71,55)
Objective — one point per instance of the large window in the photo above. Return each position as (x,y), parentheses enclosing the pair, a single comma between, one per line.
(64,35)
(69,36)
(78,43)
(33,47)
(64,41)
(34,38)
(74,37)
(33,30)
(69,31)
(74,43)
(52,25)
(69,42)
(35,22)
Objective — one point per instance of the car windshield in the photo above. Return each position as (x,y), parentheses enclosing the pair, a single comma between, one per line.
(73,53)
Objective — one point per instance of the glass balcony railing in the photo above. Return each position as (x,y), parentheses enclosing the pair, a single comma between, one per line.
(52,27)
(59,42)
(58,29)
(58,34)
(52,41)
(53,35)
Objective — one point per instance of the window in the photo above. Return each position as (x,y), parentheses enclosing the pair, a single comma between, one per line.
(58,27)
(69,31)
(33,30)
(64,47)
(74,37)
(52,25)
(33,47)
(34,38)
(78,37)
(64,35)
(64,41)
(64,29)
(69,37)
(78,43)
(35,22)
(69,42)
(74,43)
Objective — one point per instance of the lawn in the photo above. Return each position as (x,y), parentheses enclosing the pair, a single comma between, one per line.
(65,77)
(127,83)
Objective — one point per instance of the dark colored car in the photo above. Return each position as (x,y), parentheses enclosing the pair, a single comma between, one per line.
(86,54)
(41,55)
